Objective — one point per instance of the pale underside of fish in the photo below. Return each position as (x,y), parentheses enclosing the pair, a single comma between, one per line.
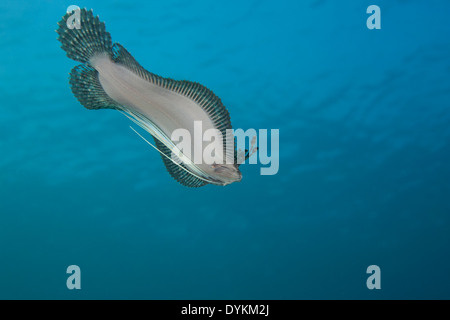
(110,78)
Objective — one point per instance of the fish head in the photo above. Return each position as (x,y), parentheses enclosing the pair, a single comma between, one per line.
(226,173)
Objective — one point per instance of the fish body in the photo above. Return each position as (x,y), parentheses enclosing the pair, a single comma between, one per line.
(110,78)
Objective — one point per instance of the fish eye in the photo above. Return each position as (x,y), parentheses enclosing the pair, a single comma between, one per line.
(218,168)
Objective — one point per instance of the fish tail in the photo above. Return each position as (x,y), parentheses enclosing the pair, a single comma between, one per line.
(84,38)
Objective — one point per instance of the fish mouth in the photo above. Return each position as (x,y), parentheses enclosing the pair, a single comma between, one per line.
(224,181)
(236,178)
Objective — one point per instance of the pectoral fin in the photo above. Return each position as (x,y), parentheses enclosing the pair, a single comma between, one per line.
(182,176)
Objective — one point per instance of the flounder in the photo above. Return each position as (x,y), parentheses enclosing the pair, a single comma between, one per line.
(110,78)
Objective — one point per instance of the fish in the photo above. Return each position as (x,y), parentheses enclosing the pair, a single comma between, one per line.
(110,78)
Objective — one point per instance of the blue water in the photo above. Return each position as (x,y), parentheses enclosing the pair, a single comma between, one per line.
(364,173)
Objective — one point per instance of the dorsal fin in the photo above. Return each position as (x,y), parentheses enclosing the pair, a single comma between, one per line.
(182,176)
(122,56)
(198,93)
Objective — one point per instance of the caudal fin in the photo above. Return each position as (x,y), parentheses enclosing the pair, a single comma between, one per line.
(87,89)
(91,39)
